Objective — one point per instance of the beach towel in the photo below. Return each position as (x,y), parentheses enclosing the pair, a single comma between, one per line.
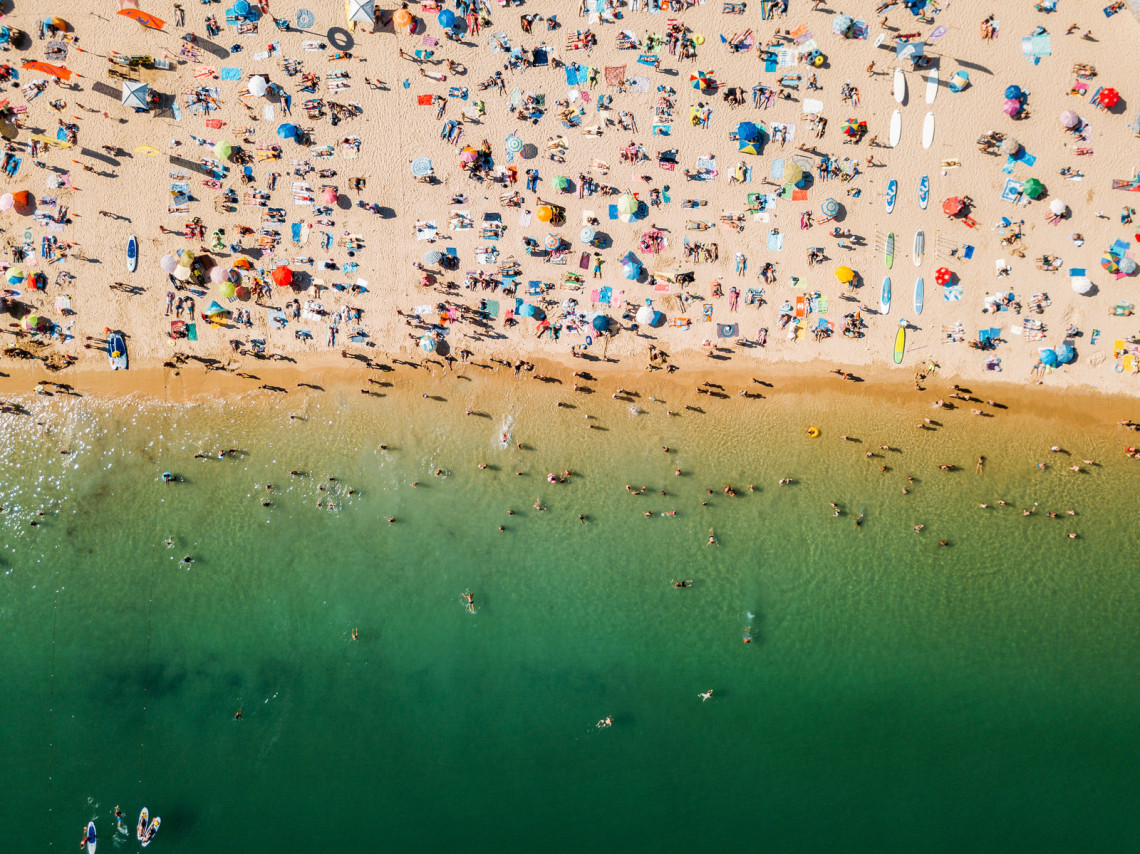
(662,287)
(191,332)
(777,171)
(775,240)
(524,218)
(613,212)
(1011,190)
(278,319)
(425,100)
(771,62)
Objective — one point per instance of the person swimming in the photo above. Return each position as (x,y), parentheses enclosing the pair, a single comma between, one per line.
(679,584)
(469,600)
(605,722)
(706,695)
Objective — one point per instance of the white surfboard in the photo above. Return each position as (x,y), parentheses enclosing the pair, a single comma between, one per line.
(931,85)
(919,247)
(896,128)
(928,130)
(900,85)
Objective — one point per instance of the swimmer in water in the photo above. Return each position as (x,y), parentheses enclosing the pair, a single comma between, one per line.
(747,634)
(712,540)
(677,585)
(356,634)
(605,722)
(705,695)
(469,599)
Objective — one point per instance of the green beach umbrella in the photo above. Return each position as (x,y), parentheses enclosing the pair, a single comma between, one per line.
(223,150)
(228,290)
(1033,188)
(560,182)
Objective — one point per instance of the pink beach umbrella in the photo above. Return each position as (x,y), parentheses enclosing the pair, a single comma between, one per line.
(328,196)
(1070,119)
(219,274)
(1011,107)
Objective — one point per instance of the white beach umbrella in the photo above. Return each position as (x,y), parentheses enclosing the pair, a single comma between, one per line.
(645,315)
(1081,284)
(1058,207)
(258,86)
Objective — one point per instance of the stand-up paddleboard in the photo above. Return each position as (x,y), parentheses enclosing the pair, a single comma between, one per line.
(90,837)
(900,344)
(117,351)
(919,296)
(132,254)
(889,251)
(924,192)
(932,85)
(928,130)
(896,128)
(892,194)
(151,830)
(900,85)
(885,296)
(919,247)
(144,819)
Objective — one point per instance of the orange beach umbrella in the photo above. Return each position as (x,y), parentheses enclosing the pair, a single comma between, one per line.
(54,70)
(144,18)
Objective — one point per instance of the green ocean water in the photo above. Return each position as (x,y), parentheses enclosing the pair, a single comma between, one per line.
(897,696)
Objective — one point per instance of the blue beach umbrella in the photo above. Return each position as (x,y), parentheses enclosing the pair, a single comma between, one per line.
(241,7)
(1049,358)
(421,167)
(427,343)
(588,234)
(514,144)
(600,322)
(748,130)
(830,207)
(287,131)
(1013,92)
(1066,354)
(446,19)
(526,310)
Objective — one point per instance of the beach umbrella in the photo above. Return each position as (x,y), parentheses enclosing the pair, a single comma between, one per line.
(1033,188)
(793,174)
(181,273)
(749,130)
(282,276)
(942,276)
(219,274)
(446,19)
(850,127)
(514,144)
(223,150)
(627,205)
(700,79)
(1010,146)
(144,18)
(258,86)
(47,68)
(552,241)
(1048,358)
(328,196)
(362,12)
(1109,98)
(468,155)
(748,146)
(6,202)
(242,263)
(1013,93)
(1070,119)
(16,275)
(168,263)
(588,234)
(1081,284)
(215,309)
(600,322)
(959,80)
(529,151)
(421,167)
(242,7)
(644,315)
(433,257)
(34,321)
(1066,353)
(1127,266)
(21,199)
(560,182)
(1057,207)
(402,18)
(134,94)
(56,22)
(545,213)
(952,206)
(427,343)
(631,271)
(526,310)
(287,131)
(844,274)
(1110,263)
(1011,107)
(228,290)
(841,23)
(830,207)
(185,258)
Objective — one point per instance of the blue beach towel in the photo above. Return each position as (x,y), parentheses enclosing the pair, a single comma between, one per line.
(777,170)
(229,74)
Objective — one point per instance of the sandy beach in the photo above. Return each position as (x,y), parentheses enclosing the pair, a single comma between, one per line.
(368,290)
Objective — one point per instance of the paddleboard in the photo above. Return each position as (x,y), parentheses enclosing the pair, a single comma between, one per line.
(132,254)
(889,251)
(900,85)
(116,344)
(900,344)
(885,296)
(144,817)
(931,85)
(151,831)
(892,194)
(90,837)
(924,192)
(896,128)
(928,130)
(919,247)
(919,295)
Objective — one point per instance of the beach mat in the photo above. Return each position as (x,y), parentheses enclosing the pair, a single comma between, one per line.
(191,332)
(230,73)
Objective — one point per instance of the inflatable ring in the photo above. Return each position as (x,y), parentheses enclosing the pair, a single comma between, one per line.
(1119,368)
(813,432)
(818,61)
(698,39)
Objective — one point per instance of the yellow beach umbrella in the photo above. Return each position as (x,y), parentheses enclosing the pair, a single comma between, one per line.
(844,274)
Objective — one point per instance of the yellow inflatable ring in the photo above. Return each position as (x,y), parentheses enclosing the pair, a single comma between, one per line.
(698,39)
(813,432)
(817,62)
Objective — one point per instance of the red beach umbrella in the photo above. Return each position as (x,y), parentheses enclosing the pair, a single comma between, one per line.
(1109,98)
(283,276)
(952,206)
(942,276)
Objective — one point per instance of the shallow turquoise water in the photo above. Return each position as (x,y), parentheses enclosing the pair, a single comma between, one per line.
(897,696)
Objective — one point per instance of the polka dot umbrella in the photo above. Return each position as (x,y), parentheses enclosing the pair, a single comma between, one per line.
(1108,98)
(943,276)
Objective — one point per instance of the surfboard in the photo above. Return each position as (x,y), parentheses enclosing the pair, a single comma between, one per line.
(892,194)
(900,85)
(144,818)
(90,837)
(132,254)
(151,830)
(885,296)
(896,128)
(924,192)
(900,344)
(931,85)
(919,295)
(889,251)
(919,247)
(928,130)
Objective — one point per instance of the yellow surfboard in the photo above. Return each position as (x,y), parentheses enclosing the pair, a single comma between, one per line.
(900,344)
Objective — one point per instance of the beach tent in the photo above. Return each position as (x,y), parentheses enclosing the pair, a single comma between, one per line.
(135,94)
(361,12)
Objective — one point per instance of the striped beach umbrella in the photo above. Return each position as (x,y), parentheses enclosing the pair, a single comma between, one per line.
(421,167)
(588,234)
(700,79)
(16,275)
(830,207)
(514,144)
(560,182)
(552,241)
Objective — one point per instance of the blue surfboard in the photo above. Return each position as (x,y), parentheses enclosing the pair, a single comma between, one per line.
(919,294)
(923,192)
(885,296)
(892,194)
